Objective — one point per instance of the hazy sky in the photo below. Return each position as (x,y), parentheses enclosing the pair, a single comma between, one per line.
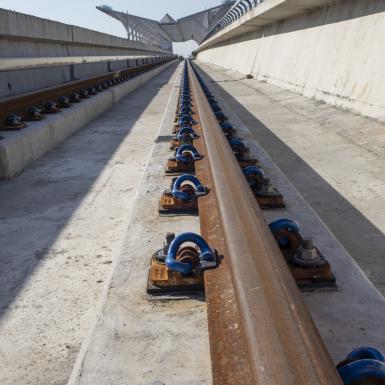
(84,14)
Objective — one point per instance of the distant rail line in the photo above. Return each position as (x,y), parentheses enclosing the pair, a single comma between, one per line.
(32,106)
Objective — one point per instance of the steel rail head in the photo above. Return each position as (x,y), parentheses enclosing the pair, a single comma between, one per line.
(283,344)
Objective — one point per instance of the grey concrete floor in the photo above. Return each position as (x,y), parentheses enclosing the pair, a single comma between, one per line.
(334,158)
(92,204)
(62,222)
(349,316)
(139,341)
(136,340)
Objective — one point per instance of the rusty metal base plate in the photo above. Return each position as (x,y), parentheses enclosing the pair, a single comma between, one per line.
(175,167)
(309,279)
(13,128)
(168,206)
(175,143)
(162,281)
(31,119)
(245,162)
(270,201)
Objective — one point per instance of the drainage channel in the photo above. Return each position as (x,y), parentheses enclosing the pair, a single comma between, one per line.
(260,329)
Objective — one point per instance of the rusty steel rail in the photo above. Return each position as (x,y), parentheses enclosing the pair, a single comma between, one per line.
(20,103)
(261,332)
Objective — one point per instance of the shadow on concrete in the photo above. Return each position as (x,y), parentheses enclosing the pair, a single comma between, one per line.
(364,241)
(36,206)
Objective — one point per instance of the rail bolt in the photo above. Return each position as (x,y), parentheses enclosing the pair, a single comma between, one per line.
(187,153)
(188,131)
(187,105)
(50,107)
(185,260)
(287,234)
(186,120)
(185,96)
(63,102)
(363,366)
(161,254)
(227,128)
(91,91)
(34,113)
(308,255)
(187,192)
(75,98)
(14,121)
(185,110)
(212,100)
(182,139)
(255,176)
(221,117)
(83,94)
(238,147)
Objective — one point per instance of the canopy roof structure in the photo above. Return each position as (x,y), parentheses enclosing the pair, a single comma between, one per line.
(163,33)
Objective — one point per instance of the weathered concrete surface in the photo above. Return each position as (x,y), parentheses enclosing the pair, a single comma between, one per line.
(61,224)
(19,148)
(13,64)
(33,74)
(29,37)
(264,13)
(74,205)
(139,342)
(333,158)
(334,53)
(136,341)
(352,316)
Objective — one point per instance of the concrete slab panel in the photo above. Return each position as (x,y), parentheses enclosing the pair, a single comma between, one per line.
(18,149)
(134,340)
(334,53)
(350,317)
(62,222)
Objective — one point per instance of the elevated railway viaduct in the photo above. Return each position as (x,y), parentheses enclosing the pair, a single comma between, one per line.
(182,222)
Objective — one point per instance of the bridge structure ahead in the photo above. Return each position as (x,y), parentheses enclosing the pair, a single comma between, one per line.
(168,30)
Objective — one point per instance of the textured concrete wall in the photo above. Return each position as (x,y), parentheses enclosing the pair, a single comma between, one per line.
(23,36)
(19,148)
(335,54)
(29,36)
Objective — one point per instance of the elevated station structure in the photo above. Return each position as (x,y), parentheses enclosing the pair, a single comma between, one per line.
(168,30)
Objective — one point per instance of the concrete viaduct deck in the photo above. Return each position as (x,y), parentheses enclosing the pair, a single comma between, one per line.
(80,200)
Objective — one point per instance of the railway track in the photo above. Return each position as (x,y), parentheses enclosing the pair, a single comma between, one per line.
(259,327)
(15,112)
(275,329)
(260,330)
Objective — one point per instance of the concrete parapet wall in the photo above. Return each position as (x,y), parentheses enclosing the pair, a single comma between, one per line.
(20,81)
(21,27)
(19,149)
(24,38)
(335,53)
